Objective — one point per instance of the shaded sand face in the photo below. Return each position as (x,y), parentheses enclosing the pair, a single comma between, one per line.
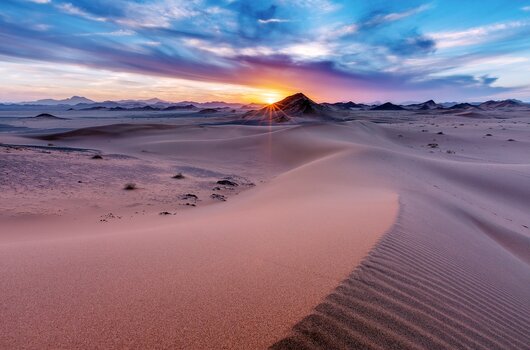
(453,272)
(232,275)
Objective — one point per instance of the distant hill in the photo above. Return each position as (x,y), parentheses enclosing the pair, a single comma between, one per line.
(179,107)
(464,106)
(502,104)
(208,111)
(294,106)
(67,101)
(388,107)
(427,105)
(46,116)
(348,105)
(253,106)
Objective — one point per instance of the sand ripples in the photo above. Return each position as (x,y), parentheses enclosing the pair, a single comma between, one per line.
(420,290)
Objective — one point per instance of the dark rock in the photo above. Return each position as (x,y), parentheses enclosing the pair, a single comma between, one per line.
(218,197)
(227,183)
(189,196)
(130,186)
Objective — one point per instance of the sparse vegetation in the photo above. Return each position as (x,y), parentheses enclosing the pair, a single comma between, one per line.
(130,186)
(433,145)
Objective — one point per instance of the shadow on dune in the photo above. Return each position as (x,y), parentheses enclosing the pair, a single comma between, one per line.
(114,130)
(432,283)
(452,273)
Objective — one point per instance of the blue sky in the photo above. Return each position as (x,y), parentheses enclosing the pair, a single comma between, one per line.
(254,50)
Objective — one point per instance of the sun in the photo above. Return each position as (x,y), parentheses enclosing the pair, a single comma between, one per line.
(269,100)
(270,97)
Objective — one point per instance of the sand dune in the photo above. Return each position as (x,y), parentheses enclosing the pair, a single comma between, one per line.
(426,285)
(452,273)
(116,130)
(449,223)
(235,275)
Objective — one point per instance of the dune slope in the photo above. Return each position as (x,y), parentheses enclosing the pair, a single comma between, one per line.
(234,275)
(453,273)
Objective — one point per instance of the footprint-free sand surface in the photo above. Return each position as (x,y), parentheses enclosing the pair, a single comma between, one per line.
(409,233)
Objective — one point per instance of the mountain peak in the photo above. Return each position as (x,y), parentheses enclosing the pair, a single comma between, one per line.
(299,95)
(388,106)
(297,105)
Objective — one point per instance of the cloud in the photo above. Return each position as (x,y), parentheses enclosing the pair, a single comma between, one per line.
(42,26)
(41,1)
(413,45)
(157,14)
(292,44)
(119,32)
(396,16)
(476,35)
(315,5)
(273,20)
(76,11)
(525,8)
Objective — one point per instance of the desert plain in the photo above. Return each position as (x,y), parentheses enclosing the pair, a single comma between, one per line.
(295,226)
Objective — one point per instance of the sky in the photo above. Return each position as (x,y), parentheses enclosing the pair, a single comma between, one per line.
(258,51)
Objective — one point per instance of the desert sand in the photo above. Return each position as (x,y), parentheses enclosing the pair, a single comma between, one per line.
(389,229)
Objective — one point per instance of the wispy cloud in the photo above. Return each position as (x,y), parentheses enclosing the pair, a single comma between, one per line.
(119,32)
(476,35)
(71,9)
(396,16)
(42,27)
(273,20)
(158,14)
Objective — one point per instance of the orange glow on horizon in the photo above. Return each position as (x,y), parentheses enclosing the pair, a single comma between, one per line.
(271,97)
